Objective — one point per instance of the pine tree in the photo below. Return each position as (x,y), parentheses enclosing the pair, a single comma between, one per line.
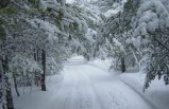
(116,35)
(154,36)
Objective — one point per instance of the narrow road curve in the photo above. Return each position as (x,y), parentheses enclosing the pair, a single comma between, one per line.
(87,87)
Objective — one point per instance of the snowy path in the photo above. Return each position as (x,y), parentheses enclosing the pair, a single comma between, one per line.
(87,87)
(84,86)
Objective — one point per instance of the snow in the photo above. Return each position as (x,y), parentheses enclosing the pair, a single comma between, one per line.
(111,12)
(157,93)
(116,8)
(89,35)
(21,63)
(151,15)
(69,1)
(43,5)
(52,32)
(118,44)
(89,85)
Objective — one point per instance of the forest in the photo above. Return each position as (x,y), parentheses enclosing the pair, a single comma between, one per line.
(65,40)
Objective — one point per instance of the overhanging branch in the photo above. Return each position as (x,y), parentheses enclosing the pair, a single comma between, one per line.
(161,43)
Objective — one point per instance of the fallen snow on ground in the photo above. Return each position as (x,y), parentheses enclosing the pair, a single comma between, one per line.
(85,85)
(157,93)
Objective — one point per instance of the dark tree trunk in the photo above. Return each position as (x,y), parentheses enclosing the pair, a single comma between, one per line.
(35,54)
(1,88)
(38,55)
(123,66)
(43,75)
(37,75)
(9,98)
(16,85)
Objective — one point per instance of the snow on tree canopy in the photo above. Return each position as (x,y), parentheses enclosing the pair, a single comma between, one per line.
(152,15)
(50,29)
(23,64)
(54,4)
(42,5)
(118,44)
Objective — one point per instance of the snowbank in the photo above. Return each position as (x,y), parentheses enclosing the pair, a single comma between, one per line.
(157,93)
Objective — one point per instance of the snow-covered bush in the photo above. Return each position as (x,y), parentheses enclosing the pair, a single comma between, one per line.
(24,69)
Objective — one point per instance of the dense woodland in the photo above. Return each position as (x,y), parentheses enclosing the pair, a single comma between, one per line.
(38,36)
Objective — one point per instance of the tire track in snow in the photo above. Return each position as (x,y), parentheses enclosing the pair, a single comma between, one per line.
(73,95)
(73,85)
(87,96)
(100,97)
(61,95)
(135,90)
(86,102)
(96,94)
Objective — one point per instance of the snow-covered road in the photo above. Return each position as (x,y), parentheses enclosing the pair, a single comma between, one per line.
(84,85)
(87,87)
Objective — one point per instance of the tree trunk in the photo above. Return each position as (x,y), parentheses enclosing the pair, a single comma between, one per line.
(35,54)
(123,66)
(36,74)
(16,85)
(9,98)
(2,89)
(43,75)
